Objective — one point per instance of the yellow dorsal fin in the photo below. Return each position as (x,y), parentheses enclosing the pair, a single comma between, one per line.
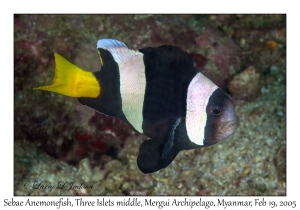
(70,80)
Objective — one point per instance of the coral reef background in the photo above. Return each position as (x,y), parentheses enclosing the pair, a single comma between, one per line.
(56,140)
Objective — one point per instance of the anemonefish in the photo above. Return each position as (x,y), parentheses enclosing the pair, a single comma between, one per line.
(158,91)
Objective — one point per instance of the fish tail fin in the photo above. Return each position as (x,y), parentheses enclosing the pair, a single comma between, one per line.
(70,80)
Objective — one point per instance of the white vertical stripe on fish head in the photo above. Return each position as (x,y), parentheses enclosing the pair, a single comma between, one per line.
(132,79)
(199,91)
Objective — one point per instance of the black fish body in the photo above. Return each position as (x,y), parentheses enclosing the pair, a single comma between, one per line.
(160,93)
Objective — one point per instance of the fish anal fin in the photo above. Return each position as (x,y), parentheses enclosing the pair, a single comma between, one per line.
(70,80)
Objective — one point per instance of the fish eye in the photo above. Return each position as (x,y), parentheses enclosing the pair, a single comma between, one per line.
(215,110)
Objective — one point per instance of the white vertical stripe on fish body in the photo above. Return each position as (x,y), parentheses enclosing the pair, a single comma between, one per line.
(132,79)
(199,91)
(132,86)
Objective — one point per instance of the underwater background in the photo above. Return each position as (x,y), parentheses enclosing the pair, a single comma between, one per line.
(57,140)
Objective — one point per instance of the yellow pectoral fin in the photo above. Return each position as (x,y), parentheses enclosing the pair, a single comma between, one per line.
(70,80)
